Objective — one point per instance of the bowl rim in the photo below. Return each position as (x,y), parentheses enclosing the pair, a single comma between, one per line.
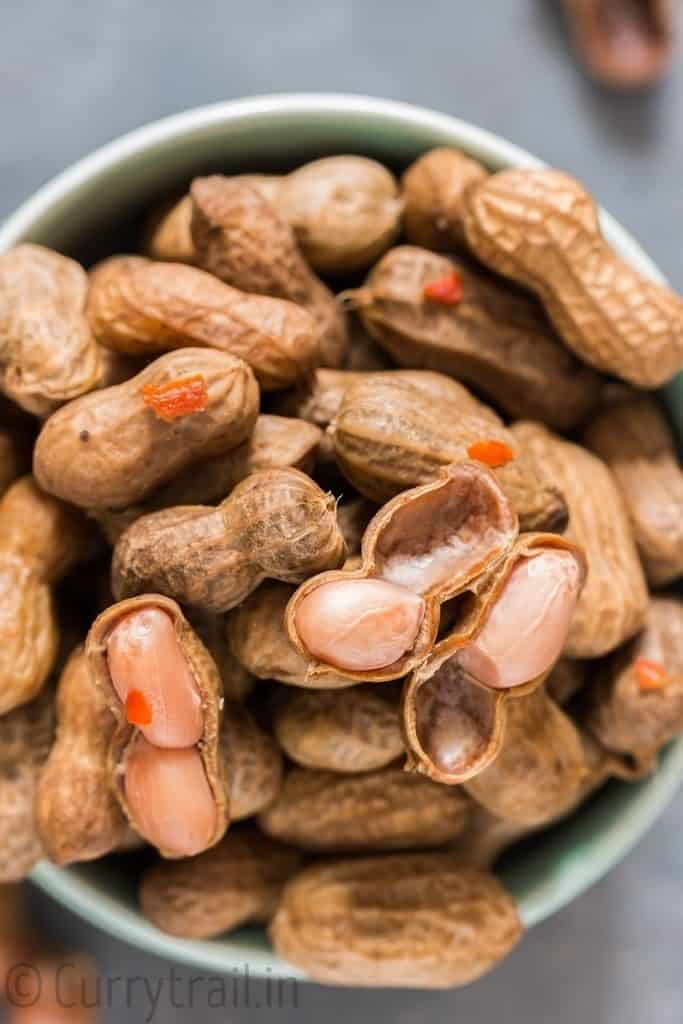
(647,799)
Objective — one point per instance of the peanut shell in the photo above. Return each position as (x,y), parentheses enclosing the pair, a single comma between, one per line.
(433,193)
(253,762)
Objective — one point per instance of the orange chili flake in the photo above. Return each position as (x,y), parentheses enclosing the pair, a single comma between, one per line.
(492,453)
(651,675)
(138,711)
(176,398)
(447,290)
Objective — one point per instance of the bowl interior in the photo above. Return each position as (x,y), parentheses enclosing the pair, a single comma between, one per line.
(96,208)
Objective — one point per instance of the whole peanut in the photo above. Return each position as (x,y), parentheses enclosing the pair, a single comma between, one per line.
(345,211)
(142,307)
(258,639)
(389,436)
(48,353)
(613,603)
(488,336)
(277,523)
(41,539)
(253,762)
(355,730)
(637,444)
(78,816)
(413,920)
(240,238)
(433,192)
(237,882)
(541,228)
(387,809)
(26,736)
(111,449)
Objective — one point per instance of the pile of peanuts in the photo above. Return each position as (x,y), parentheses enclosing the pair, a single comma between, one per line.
(340,521)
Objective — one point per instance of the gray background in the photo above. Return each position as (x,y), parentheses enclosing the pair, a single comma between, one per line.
(74,74)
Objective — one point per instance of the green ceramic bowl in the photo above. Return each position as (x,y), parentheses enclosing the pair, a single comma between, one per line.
(102,198)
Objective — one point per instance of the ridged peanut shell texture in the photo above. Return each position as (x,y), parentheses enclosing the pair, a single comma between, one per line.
(625,715)
(276,523)
(140,307)
(345,211)
(541,228)
(390,435)
(454,711)
(354,730)
(406,920)
(48,353)
(252,762)
(206,680)
(236,882)
(110,450)
(382,810)
(77,813)
(614,600)
(636,442)
(422,548)
(41,539)
(433,193)
(493,338)
(26,736)
(241,239)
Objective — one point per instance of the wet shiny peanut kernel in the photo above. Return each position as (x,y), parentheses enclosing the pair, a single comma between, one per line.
(359,624)
(527,626)
(153,680)
(169,798)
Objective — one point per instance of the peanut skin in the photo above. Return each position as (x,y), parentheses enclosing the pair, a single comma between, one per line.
(236,882)
(614,601)
(541,228)
(345,211)
(493,338)
(78,816)
(140,307)
(41,539)
(636,442)
(382,810)
(355,730)
(240,238)
(47,351)
(110,450)
(26,736)
(389,436)
(276,523)
(433,194)
(406,920)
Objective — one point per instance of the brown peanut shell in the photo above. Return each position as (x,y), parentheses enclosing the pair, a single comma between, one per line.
(109,450)
(355,730)
(236,882)
(168,233)
(258,639)
(566,679)
(48,354)
(541,228)
(443,704)
(433,193)
(402,527)
(207,681)
(78,816)
(253,762)
(493,339)
(389,436)
(276,524)
(614,600)
(141,307)
(240,238)
(623,717)
(408,920)
(381,810)
(636,442)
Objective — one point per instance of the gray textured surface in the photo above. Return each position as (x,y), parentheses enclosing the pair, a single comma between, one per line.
(74,74)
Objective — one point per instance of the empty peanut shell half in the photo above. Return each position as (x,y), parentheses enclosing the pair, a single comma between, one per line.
(165,692)
(422,548)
